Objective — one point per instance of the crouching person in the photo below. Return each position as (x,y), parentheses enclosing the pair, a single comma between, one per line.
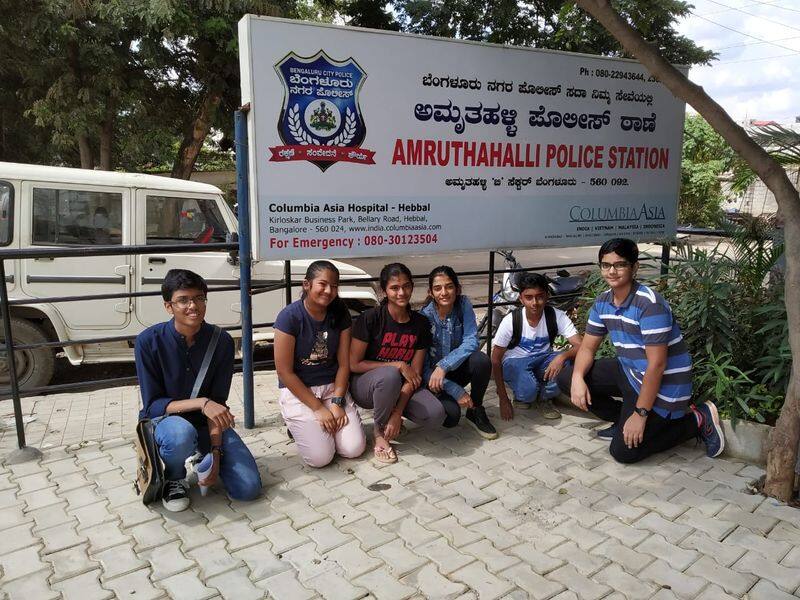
(312,357)
(652,372)
(170,358)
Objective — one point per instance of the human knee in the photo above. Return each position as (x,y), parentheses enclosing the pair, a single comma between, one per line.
(452,414)
(480,363)
(622,454)
(176,437)
(389,379)
(435,416)
(247,488)
(319,456)
(352,446)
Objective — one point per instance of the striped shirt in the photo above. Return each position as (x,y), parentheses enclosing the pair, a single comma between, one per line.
(645,319)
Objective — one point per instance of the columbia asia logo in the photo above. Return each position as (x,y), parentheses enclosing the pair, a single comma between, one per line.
(321,120)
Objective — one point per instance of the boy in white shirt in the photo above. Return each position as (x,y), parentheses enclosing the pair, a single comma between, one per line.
(523,355)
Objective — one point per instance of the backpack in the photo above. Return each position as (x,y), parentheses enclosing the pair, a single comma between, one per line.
(516,325)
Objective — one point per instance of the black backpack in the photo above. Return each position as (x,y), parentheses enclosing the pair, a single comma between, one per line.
(516,325)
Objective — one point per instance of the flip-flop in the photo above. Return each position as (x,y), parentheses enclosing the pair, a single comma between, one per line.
(384,455)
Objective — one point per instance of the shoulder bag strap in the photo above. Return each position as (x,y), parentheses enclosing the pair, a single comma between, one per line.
(552,323)
(206,362)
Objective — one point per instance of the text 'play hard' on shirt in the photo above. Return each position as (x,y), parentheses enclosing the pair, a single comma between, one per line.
(645,319)
(534,340)
(390,341)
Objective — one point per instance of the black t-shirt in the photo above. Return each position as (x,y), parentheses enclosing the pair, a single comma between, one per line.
(316,343)
(387,340)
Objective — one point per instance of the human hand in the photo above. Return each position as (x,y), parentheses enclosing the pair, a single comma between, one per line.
(506,410)
(554,368)
(409,374)
(392,427)
(339,415)
(436,380)
(579,394)
(466,401)
(218,415)
(633,430)
(326,420)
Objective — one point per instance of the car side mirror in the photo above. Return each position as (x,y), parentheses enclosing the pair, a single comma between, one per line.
(233,255)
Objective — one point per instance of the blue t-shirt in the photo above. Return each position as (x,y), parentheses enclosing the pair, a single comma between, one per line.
(316,343)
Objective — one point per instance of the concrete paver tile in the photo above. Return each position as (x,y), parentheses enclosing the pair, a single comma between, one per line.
(285,586)
(587,564)
(494,559)
(586,588)
(33,586)
(235,585)
(353,559)
(167,560)
(733,582)
(476,576)
(681,584)
(501,538)
(39,498)
(785,578)
(678,558)
(445,556)
(20,563)
(540,561)
(50,516)
(585,538)
(105,535)
(239,534)
(194,533)
(455,532)
(71,562)
(81,496)
(688,499)
(83,587)
(713,527)
(33,482)
(382,511)
(384,586)
(766,590)
(432,584)
(308,563)
(151,534)
(673,532)
(370,535)
(410,531)
(785,532)
(325,535)
(116,561)
(631,560)
(333,585)
(340,511)
(397,556)
(60,537)
(756,522)
(724,554)
(282,536)
(214,559)
(187,586)
(423,510)
(261,561)
(616,578)
(747,540)
(13,516)
(535,585)
(135,513)
(134,586)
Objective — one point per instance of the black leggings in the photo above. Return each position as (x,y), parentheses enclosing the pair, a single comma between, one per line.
(476,371)
(606,379)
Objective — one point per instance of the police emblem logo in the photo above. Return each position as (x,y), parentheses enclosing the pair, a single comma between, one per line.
(321,121)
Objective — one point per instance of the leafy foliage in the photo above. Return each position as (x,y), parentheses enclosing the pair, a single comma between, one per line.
(705,157)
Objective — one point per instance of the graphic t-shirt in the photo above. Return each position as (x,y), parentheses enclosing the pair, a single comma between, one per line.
(387,340)
(533,340)
(316,343)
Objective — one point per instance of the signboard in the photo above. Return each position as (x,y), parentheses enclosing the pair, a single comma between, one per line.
(367,143)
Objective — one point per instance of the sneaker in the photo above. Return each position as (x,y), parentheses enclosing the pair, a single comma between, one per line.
(607,433)
(548,410)
(519,405)
(710,429)
(175,496)
(478,419)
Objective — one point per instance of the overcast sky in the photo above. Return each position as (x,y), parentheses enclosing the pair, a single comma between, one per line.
(751,79)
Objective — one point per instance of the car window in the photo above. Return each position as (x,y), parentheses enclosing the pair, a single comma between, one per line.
(6,213)
(76,217)
(173,220)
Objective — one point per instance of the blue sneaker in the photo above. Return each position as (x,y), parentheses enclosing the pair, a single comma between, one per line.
(607,433)
(710,429)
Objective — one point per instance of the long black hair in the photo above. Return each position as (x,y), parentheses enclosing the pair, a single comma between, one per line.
(447,271)
(337,310)
(393,270)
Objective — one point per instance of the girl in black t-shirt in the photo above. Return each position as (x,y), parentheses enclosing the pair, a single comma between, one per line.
(312,349)
(387,355)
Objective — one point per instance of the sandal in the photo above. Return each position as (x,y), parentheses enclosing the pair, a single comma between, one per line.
(385,455)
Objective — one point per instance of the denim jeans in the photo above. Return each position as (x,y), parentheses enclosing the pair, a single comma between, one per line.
(525,376)
(178,439)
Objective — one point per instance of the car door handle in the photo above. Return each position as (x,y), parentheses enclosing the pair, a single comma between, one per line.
(157,260)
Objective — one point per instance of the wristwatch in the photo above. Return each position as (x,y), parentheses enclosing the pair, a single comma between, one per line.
(642,412)
(338,401)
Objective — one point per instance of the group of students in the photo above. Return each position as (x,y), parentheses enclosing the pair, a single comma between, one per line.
(402,363)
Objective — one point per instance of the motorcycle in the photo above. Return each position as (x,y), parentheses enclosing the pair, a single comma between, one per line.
(565,292)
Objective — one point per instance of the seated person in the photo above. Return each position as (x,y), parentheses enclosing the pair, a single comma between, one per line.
(523,355)
(454,359)
(652,372)
(312,358)
(387,356)
(169,356)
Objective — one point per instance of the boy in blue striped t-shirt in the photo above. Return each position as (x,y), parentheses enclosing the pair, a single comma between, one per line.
(652,371)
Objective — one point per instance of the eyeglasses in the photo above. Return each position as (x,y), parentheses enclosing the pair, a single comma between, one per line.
(617,266)
(184,301)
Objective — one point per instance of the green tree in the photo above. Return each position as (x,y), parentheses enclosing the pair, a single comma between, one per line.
(552,24)
(706,156)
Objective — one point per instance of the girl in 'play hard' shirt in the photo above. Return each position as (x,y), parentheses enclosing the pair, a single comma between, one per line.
(312,348)
(387,356)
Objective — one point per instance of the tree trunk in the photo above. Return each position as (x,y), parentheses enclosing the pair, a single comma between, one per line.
(196,134)
(107,137)
(85,147)
(782,455)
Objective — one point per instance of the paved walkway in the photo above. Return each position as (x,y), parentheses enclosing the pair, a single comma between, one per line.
(542,512)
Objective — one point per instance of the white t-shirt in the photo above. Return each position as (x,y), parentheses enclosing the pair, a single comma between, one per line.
(533,340)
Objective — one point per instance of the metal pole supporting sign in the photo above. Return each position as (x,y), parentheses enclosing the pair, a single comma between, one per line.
(23,453)
(245,263)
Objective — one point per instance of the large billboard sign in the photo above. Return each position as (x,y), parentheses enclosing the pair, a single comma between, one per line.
(368,143)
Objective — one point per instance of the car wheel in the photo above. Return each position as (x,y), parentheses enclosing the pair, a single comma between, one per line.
(35,366)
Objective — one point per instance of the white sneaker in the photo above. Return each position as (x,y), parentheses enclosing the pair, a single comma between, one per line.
(175,496)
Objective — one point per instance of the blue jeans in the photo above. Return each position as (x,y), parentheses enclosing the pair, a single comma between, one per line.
(178,439)
(525,376)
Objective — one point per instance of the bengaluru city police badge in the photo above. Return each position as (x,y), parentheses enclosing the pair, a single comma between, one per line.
(321,121)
